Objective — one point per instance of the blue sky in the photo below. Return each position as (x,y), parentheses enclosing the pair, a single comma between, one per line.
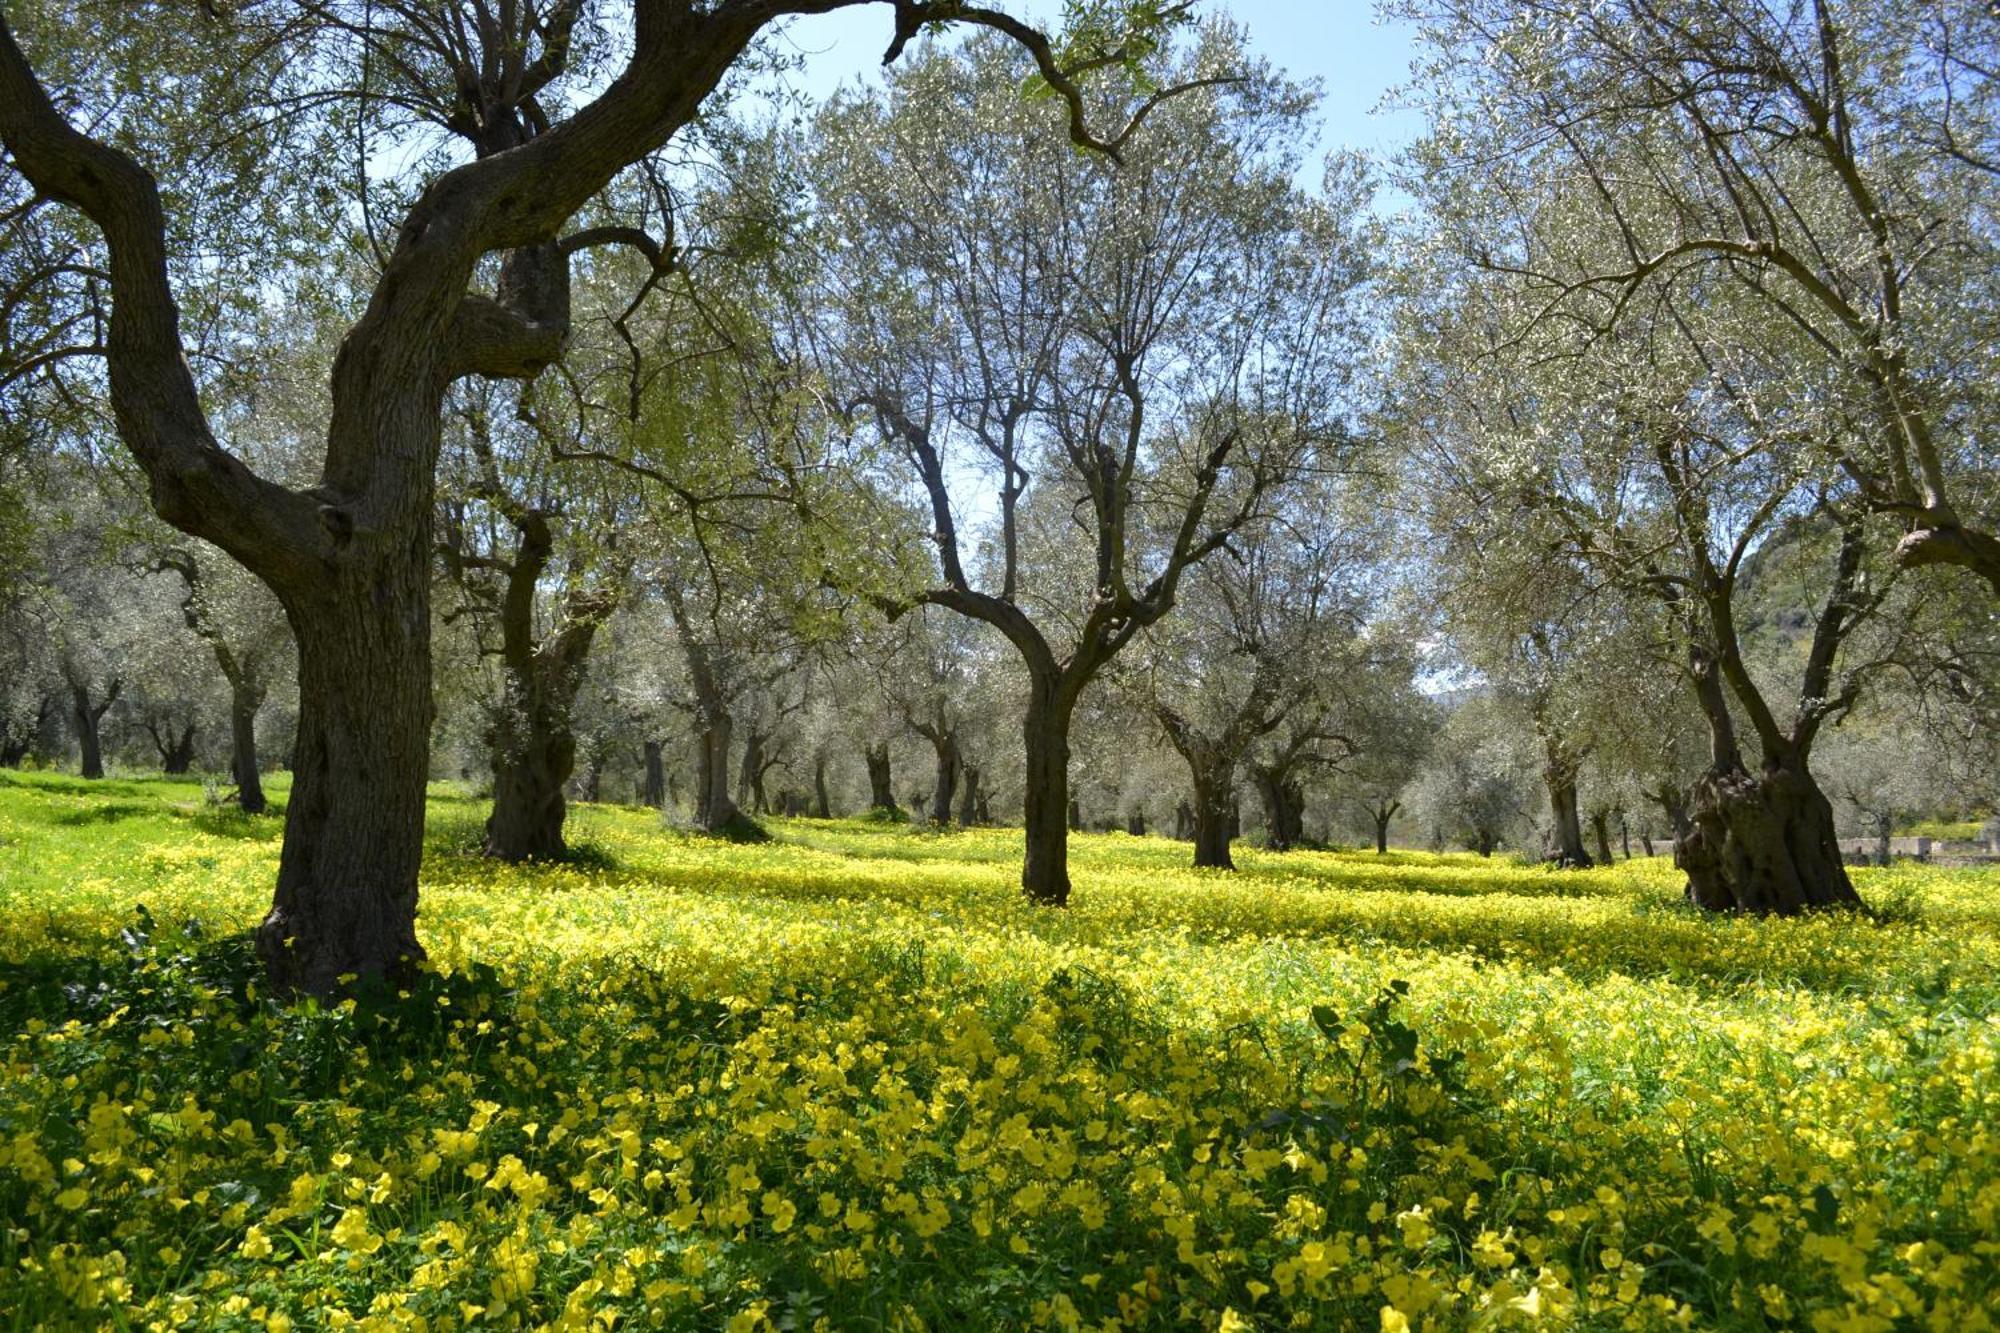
(1337,42)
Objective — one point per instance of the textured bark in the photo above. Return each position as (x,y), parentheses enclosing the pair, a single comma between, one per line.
(346,902)
(1284,801)
(1214,801)
(714,810)
(529,807)
(1763,844)
(881,789)
(532,739)
(1600,827)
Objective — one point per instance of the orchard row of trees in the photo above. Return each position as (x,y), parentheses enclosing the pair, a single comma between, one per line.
(501,383)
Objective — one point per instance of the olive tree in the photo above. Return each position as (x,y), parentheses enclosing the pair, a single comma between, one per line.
(1133,355)
(512,118)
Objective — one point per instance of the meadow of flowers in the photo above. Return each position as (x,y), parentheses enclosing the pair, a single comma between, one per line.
(848,1080)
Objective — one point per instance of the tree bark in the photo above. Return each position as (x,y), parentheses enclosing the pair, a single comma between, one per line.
(1214,800)
(653,782)
(532,766)
(968,802)
(86,716)
(1559,772)
(244,701)
(1284,802)
(881,789)
(1763,844)
(1046,803)
(714,810)
(1600,826)
(176,751)
(944,783)
(346,901)
(1382,812)
(750,781)
(822,807)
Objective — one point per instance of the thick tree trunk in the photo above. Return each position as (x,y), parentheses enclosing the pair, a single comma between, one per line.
(881,789)
(822,807)
(346,902)
(244,701)
(1214,802)
(1883,828)
(945,781)
(653,781)
(968,802)
(1763,844)
(531,766)
(1381,834)
(1559,775)
(1484,841)
(1646,841)
(1046,804)
(1184,821)
(714,810)
(1135,823)
(86,717)
(1600,826)
(1284,801)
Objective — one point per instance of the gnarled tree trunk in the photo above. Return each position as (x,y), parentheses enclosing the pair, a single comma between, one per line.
(1284,801)
(1600,826)
(1763,843)
(881,789)
(714,810)
(1559,773)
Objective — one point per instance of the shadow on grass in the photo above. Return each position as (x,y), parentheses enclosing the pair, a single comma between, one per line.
(229,821)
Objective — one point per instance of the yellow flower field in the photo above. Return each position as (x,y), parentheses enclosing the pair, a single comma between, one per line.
(848,1079)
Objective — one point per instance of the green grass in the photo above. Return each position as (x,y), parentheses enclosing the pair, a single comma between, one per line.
(1945,830)
(847,1078)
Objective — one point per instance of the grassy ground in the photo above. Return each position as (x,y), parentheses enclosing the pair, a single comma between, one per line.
(848,1080)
